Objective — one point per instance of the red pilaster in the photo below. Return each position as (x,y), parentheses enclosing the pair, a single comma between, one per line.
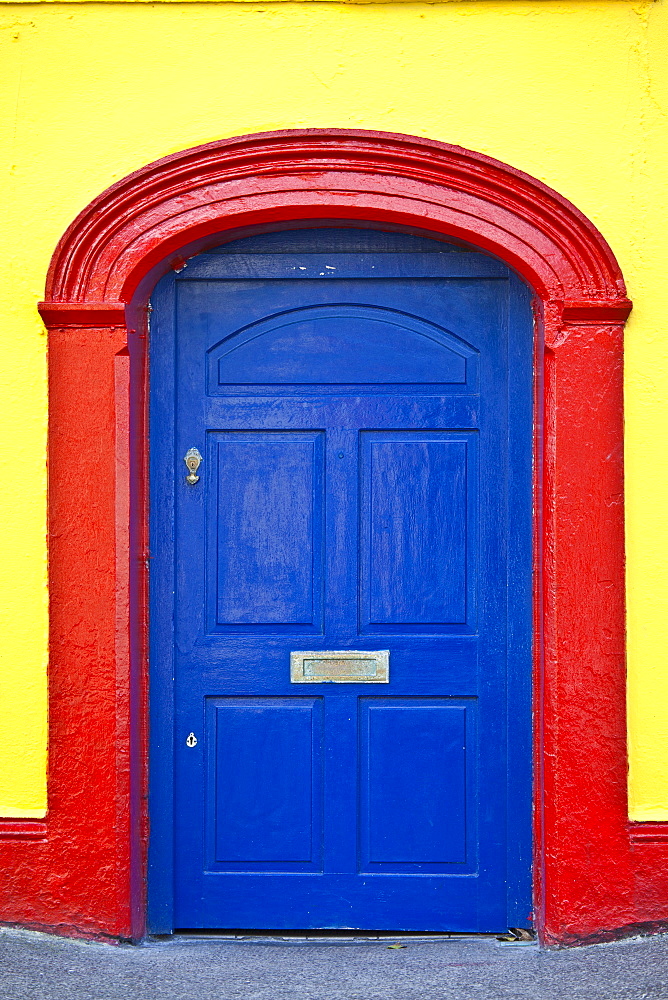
(75,878)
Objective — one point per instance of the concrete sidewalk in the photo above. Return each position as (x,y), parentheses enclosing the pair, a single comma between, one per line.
(50,968)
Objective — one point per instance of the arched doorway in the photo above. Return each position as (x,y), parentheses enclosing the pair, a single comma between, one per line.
(101,276)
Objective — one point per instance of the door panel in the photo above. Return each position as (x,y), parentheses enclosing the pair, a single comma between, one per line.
(414,785)
(339,344)
(265,788)
(266,541)
(365,479)
(416,499)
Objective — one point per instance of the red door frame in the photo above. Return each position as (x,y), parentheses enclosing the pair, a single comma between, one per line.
(82,870)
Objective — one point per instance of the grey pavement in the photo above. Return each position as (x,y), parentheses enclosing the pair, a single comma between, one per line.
(39,966)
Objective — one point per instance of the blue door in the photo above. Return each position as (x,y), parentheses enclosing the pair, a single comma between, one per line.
(340,587)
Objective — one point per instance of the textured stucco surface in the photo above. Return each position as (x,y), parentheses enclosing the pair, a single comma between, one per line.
(573,93)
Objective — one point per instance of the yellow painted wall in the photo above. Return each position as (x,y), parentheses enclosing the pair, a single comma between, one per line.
(574,92)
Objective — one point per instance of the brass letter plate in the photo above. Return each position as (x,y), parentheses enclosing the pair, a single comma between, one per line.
(340,666)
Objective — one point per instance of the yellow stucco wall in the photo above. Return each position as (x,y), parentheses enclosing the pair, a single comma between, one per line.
(575,93)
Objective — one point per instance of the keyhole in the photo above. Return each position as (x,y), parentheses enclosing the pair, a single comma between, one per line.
(191,740)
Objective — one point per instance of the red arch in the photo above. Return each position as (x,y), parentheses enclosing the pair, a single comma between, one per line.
(377,177)
(82,871)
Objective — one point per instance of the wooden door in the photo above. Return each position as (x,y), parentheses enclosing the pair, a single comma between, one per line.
(341,602)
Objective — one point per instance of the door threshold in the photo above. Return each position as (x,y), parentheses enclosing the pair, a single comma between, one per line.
(322,936)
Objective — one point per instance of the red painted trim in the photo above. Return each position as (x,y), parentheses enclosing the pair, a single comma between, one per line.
(596,312)
(80,314)
(648,833)
(22,829)
(590,879)
(272,178)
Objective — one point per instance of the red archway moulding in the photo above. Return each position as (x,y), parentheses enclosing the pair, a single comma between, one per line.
(81,872)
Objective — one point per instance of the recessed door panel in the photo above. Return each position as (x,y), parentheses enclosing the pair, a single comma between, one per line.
(267,535)
(418,511)
(341,344)
(417,798)
(265,782)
